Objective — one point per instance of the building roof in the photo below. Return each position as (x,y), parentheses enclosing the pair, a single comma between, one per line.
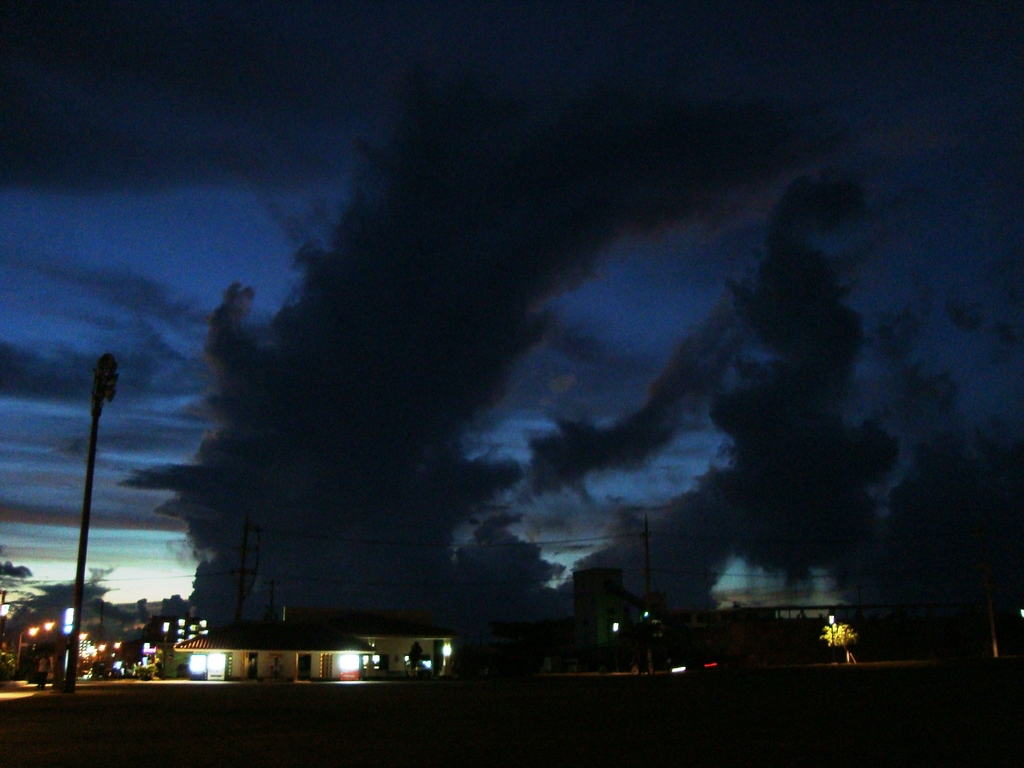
(275,636)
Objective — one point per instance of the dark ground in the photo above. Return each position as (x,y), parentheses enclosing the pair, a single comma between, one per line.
(867,715)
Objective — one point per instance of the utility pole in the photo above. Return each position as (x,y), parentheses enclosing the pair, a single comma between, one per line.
(647,564)
(104,387)
(243,587)
(987,573)
(647,594)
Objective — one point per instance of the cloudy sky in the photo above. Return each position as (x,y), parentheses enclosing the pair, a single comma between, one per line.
(446,298)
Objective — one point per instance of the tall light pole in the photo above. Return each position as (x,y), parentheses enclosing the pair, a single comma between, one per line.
(104,386)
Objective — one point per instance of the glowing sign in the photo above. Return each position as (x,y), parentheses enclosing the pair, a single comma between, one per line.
(349,662)
(197,664)
(69,620)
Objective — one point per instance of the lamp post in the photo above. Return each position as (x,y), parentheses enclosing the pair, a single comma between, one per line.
(32,632)
(104,386)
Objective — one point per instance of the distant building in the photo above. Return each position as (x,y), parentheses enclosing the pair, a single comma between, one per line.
(271,650)
(158,638)
(597,610)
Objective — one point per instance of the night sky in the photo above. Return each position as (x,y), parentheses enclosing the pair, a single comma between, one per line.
(448,297)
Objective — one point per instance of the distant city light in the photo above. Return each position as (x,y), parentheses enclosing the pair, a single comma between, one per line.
(446,651)
(615,628)
(677,670)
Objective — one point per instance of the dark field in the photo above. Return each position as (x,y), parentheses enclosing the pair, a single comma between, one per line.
(968,715)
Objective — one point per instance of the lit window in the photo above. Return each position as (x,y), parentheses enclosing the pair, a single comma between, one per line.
(215,665)
(197,663)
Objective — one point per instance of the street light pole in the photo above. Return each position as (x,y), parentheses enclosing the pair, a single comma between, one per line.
(104,386)
(21,638)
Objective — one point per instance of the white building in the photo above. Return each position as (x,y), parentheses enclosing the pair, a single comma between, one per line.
(319,644)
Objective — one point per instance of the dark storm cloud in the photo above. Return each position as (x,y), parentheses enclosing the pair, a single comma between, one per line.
(115,95)
(345,415)
(24,373)
(678,397)
(147,369)
(513,574)
(137,316)
(796,491)
(12,571)
(914,400)
(141,311)
(955,489)
(49,601)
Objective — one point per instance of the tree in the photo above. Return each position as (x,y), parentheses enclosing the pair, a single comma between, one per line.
(840,636)
(8,665)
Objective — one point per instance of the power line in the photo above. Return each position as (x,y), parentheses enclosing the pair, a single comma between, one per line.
(293,534)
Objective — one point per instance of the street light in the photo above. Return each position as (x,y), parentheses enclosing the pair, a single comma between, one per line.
(104,387)
(32,632)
